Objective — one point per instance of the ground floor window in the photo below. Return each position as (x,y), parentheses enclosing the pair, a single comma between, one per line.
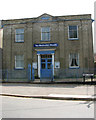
(19,61)
(73,60)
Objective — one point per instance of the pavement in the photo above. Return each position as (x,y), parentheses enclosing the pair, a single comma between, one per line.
(49,91)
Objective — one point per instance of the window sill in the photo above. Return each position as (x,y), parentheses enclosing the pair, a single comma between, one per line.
(73,38)
(19,42)
(19,68)
(74,67)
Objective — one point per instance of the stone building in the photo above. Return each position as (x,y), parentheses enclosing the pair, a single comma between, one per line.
(49,44)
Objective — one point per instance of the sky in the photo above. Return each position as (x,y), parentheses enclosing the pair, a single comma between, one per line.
(15,9)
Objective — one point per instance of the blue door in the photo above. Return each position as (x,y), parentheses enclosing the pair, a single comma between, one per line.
(46,65)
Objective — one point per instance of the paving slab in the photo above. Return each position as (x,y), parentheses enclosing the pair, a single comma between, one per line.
(50,91)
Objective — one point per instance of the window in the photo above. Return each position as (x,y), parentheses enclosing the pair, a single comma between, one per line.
(19,61)
(73,32)
(73,60)
(45,34)
(19,35)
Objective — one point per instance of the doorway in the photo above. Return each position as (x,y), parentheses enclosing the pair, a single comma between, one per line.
(46,66)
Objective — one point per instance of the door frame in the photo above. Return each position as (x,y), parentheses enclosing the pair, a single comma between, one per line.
(39,59)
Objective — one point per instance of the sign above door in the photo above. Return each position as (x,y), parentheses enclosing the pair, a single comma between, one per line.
(46,45)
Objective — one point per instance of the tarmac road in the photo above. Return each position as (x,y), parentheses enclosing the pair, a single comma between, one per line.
(40,108)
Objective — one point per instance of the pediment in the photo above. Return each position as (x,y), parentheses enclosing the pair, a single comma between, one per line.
(45,17)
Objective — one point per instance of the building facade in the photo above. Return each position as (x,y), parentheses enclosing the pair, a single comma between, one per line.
(48,43)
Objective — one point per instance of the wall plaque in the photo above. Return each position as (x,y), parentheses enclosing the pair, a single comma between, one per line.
(35,65)
(57,64)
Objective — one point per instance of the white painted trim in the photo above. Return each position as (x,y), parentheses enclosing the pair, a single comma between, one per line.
(15,61)
(53,62)
(39,64)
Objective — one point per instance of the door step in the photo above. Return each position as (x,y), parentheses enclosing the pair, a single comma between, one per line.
(45,80)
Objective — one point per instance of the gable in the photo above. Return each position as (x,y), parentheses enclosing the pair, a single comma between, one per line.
(45,17)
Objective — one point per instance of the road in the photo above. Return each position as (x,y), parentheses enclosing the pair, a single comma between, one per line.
(13,107)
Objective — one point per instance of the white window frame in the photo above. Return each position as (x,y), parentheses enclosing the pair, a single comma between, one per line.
(45,32)
(19,34)
(69,33)
(77,61)
(16,67)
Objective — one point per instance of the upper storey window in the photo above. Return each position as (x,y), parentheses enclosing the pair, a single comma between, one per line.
(45,34)
(73,32)
(19,35)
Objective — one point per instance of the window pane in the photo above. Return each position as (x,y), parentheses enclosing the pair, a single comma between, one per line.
(20,57)
(45,36)
(45,29)
(22,64)
(49,66)
(49,60)
(18,37)
(18,31)
(22,37)
(74,62)
(42,60)
(75,34)
(49,56)
(43,56)
(71,34)
(43,65)
(72,28)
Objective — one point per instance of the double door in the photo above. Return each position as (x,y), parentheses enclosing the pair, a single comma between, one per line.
(46,65)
